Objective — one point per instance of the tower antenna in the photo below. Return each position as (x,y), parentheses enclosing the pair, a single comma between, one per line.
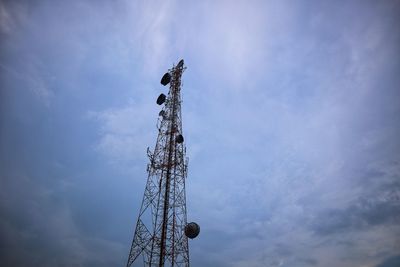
(162,232)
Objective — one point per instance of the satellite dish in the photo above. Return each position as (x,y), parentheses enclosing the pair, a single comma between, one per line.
(180,64)
(179,139)
(161,99)
(192,230)
(166,79)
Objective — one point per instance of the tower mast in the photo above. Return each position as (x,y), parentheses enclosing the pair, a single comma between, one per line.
(161,233)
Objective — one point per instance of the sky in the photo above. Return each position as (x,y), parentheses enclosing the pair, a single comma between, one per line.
(290,115)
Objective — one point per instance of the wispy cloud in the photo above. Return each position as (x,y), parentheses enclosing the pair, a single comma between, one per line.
(6,23)
(125,132)
(32,79)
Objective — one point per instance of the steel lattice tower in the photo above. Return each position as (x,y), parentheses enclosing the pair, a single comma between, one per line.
(161,234)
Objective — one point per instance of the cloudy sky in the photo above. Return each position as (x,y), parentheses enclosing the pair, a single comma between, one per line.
(290,113)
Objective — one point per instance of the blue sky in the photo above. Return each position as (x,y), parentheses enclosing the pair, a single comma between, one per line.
(290,117)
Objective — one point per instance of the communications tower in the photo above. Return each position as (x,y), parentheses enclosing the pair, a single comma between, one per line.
(162,232)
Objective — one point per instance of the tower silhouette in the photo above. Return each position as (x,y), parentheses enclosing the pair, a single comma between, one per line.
(161,233)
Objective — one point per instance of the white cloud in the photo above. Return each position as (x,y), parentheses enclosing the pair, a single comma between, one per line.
(125,133)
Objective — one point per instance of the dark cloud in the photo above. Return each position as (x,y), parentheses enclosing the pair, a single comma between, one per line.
(308,261)
(365,212)
(34,224)
(39,227)
(283,250)
(390,262)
